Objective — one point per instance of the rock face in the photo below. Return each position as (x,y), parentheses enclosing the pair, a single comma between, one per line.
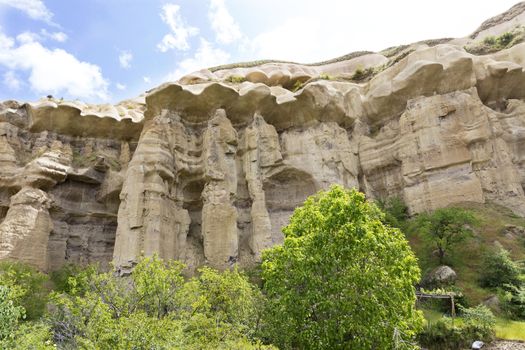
(208,171)
(440,276)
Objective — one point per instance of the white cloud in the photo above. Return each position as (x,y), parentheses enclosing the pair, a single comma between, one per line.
(147,80)
(27,37)
(121,86)
(53,71)
(35,9)
(180,31)
(125,58)
(206,56)
(225,27)
(56,36)
(12,81)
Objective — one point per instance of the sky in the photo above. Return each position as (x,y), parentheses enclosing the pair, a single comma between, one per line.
(104,51)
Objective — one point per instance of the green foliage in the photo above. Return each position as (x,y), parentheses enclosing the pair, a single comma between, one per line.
(512,299)
(445,227)
(490,40)
(475,324)
(325,76)
(504,39)
(480,321)
(226,297)
(298,85)
(10,314)
(341,279)
(31,336)
(235,79)
(498,269)
(496,43)
(155,308)
(395,209)
(27,287)
(73,279)
(361,74)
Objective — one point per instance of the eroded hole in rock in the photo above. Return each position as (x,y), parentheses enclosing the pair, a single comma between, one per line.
(284,192)
(192,194)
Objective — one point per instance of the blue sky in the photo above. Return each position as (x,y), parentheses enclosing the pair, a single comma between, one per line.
(109,50)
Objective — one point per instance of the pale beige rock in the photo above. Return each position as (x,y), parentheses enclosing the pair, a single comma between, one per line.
(24,232)
(209,169)
(219,216)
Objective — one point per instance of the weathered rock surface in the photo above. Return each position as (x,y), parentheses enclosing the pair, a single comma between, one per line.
(440,276)
(208,171)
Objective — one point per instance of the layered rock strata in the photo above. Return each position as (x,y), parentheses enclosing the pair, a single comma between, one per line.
(207,170)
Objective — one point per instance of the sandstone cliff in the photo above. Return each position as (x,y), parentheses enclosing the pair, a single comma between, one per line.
(208,169)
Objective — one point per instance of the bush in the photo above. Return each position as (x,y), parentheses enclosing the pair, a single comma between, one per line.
(155,308)
(338,276)
(73,279)
(513,301)
(395,209)
(10,314)
(498,269)
(31,336)
(27,287)
(504,39)
(476,324)
(226,297)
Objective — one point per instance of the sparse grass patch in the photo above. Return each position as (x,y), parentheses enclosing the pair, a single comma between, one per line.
(235,79)
(492,44)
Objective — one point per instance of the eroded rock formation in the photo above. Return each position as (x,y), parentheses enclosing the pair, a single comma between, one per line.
(207,170)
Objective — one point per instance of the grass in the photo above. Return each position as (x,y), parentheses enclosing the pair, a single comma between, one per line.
(510,330)
(492,44)
(505,329)
(466,258)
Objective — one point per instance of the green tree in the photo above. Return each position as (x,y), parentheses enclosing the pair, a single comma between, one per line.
(498,269)
(445,227)
(341,279)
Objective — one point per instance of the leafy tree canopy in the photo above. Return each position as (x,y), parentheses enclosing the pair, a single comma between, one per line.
(342,279)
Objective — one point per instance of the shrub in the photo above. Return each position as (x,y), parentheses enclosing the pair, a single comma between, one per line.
(489,40)
(155,308)
(27,287)
(338,276)
(395,209)
(227,297)
(31,336)
(504,39)
(498,269)
(10,314)
(476,324)
(513,300)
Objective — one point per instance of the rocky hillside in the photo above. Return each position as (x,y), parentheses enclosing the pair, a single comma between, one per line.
(208,169)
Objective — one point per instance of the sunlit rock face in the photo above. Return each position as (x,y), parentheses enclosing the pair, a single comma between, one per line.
(208,171)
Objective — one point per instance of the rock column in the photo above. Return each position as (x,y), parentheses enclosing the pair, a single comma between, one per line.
(219,215)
